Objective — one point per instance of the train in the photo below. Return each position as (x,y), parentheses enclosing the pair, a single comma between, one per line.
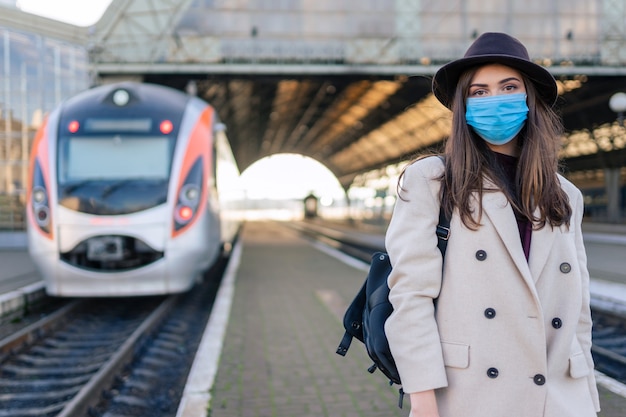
(133,190)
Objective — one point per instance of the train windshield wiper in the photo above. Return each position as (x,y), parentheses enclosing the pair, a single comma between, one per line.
(110,189)
(71,188)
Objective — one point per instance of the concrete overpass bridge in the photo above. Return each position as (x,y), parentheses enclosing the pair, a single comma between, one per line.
(347,82)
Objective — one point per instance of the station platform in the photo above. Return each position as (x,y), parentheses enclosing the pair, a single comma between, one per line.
(278,355)
(269,346)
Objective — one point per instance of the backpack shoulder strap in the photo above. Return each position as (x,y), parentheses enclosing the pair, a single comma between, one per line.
(443,227)
(443,232)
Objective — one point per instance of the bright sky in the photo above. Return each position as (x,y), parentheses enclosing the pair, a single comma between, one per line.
(76,12)
(290,176)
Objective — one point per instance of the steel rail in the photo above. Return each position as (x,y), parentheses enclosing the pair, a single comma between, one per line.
(35,331)
(89,394)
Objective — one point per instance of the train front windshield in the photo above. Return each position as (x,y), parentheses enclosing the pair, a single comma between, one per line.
(110,171)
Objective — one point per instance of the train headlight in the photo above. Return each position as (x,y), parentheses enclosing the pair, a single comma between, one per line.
(121,97)
(40,203)
(39,195)
(189,196)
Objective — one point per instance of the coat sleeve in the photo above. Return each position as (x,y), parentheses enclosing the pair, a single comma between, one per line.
(583,330)
(415,280)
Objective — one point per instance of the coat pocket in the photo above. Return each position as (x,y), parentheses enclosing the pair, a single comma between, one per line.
(455,355)
(578,367)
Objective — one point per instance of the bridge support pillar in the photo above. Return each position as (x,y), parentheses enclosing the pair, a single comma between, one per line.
(612,184)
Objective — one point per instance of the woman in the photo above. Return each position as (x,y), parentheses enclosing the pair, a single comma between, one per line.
(510,332)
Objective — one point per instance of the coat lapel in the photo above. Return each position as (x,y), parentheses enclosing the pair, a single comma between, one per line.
(540,247)
(500,213)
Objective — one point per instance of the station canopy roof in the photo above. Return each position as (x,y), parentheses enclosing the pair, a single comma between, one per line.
(353,92)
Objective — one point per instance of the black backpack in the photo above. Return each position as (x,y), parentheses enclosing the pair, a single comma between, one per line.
(365,317)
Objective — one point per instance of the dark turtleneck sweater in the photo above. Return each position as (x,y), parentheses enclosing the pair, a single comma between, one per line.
(509,168)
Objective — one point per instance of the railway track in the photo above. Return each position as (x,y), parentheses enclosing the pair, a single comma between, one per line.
(609,344)
(358,247)
(106,357)
(609,327)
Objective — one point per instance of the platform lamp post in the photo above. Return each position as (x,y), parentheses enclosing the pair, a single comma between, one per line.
(617,103)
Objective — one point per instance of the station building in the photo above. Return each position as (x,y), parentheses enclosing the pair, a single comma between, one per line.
(42,62)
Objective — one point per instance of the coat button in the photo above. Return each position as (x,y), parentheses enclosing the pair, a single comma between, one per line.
(492,372)
(565,267)
(490,313)
(557,323)
(481,255)
(539,379)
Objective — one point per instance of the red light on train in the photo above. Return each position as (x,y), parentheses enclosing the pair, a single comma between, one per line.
(185,213)
(73,126)
(166,127)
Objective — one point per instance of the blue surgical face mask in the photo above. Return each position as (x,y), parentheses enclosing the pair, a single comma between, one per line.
(497,119)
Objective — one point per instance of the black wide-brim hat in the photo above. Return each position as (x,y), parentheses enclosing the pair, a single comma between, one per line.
(490,48)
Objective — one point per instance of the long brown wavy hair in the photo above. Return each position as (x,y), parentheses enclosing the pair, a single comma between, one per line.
(468,160)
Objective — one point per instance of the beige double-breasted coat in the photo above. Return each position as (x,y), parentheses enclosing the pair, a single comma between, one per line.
(509,337)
